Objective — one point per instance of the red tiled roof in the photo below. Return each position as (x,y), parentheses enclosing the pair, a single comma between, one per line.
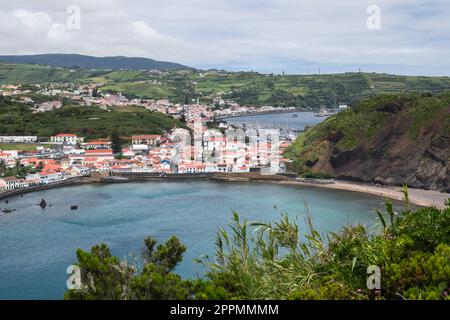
(66,135)
(98,142)
(108,151)
(146,136)
(10,179)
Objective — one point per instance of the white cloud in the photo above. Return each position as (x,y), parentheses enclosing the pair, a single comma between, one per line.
(32,20)
(143,29)
(234,32)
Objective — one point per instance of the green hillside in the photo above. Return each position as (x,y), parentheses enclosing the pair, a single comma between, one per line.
(92,122)
(250,88)
(34,74)
(389,139)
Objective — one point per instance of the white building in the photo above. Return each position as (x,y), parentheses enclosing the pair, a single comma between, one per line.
(18,139)
(46,178)
(67,138)
(191,168)
(11,183)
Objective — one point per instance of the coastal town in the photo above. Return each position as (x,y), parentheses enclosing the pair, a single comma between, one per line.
(91,95)
(30,161)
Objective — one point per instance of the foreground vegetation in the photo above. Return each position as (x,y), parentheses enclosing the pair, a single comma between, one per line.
(276,261)
(89,122)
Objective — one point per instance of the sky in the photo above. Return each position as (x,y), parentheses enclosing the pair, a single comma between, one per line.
(408,37)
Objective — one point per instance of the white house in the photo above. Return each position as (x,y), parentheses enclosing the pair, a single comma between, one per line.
(98,144)
(240,169)
(146,139)
(67,138)
(46,178)
(191,168)
(342,107)
(18,139)
(104,154)
(12,183)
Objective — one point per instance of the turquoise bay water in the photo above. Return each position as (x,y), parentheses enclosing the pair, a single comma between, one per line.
(37,245)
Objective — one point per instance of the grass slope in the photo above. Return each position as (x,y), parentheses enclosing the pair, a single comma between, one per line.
(389,139)
(90,122)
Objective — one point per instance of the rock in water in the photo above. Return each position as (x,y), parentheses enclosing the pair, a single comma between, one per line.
(43,203)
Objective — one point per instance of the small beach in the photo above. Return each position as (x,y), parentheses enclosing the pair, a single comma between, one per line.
(425,198)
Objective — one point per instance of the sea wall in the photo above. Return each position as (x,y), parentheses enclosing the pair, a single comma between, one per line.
(234,177)
(261,113)
(131,176)
(68,182)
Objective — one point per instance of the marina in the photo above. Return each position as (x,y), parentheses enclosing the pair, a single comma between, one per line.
(289,124)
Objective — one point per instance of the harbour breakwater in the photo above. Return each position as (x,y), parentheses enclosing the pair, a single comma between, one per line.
(231,177)
(133,176)
(68,182)
(261,113)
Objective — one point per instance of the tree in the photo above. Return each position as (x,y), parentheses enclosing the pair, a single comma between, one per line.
(40,165)
(105,277)
(95,92)
(2,167)
(116,143)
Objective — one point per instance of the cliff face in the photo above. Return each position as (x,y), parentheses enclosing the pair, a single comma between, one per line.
(388,139)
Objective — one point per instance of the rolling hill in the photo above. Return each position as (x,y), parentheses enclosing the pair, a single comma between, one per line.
(89,62)
(246,88)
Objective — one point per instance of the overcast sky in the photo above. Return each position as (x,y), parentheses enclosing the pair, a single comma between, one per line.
(298,36)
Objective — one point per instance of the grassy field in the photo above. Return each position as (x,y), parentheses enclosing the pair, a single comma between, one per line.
(139,90)
(132,109)
(32,74)
(18,146)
